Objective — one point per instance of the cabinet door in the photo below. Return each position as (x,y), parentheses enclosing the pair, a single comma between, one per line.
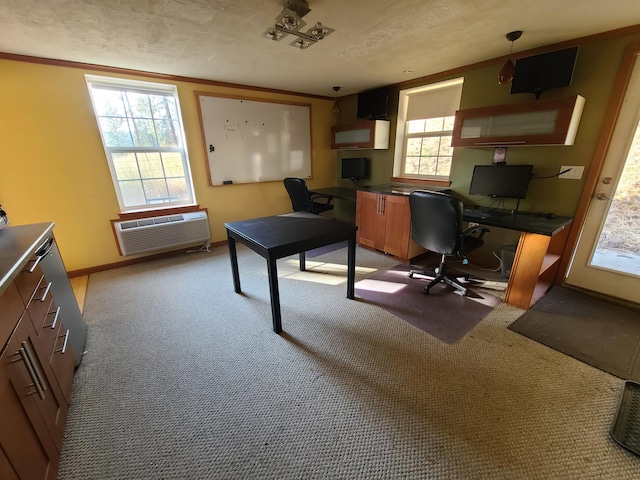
(33,380)
(542,122)
(397,226)
(368,218)
(24,435)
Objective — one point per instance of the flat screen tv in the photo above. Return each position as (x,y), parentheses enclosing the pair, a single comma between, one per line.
(373,103)
(503,181)
(539,73)
(354,168)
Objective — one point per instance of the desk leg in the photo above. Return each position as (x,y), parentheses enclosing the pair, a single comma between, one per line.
(303,265)
(234,263)
(275,294)
(351,267)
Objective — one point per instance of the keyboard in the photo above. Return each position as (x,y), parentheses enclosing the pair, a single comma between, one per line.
(475,213)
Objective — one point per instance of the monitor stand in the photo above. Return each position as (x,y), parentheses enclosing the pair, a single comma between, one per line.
(355,182)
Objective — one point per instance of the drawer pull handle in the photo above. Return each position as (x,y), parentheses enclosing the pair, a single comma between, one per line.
(46,292)
(35,366)
(42,252)
(55,319)
(32,373)
(35,264)
(64,345)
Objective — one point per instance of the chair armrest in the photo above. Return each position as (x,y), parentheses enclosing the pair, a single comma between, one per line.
(315,196)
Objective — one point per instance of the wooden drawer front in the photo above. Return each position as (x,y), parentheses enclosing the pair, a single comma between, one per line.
(11,308)
(63,362)
(26,369)
(44,315)
(41,304)
(27,281)
(24,436)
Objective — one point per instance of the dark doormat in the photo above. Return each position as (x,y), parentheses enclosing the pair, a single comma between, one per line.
(599,333)
(626,426)
(444,313)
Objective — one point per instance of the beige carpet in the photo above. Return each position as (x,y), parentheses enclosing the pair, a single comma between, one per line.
(184,379)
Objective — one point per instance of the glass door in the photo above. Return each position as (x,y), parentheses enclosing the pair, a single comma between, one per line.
(607,257)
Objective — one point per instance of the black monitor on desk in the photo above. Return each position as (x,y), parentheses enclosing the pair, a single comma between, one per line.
(501,181)
(354,169)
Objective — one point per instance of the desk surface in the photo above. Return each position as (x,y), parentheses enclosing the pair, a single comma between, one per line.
(523,222)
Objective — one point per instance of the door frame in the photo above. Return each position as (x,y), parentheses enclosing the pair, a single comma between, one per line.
(618,92)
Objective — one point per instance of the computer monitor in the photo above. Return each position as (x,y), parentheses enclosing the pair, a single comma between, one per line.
(354,168)
(502,181)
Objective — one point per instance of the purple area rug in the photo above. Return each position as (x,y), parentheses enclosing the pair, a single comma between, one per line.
(444,313)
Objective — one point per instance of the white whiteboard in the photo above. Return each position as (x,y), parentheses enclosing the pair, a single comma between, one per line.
(254,140)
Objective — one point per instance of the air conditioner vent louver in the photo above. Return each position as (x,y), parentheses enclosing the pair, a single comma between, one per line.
(162,233)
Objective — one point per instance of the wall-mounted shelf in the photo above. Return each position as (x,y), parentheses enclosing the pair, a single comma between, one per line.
(540,122)
(367,134)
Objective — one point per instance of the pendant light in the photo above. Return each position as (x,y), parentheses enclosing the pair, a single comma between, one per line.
(505,76)
(336,105)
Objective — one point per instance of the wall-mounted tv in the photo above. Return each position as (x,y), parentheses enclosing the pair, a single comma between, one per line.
(504,181)
(373,103)
(539,73)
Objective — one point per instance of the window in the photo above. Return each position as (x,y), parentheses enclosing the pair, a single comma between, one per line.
(424,131)
(143,138)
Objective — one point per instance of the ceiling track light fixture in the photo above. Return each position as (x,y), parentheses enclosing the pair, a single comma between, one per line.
(505,76)
(290,22)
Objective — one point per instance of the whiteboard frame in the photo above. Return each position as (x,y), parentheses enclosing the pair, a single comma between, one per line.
(277,104)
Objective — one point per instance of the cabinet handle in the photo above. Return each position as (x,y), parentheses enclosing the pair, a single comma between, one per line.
(64,345)
(42,252)
(55,319)
(36,370)
(46,292)
(32,373)
(382,205)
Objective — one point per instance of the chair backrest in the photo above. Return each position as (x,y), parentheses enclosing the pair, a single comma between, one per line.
(299,194)
(436,221)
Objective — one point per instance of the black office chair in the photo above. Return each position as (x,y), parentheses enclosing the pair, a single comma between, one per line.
(302,200)
(436,224)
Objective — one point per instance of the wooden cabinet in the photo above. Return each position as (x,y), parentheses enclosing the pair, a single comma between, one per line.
(540,122)
(32,417)
(384,223)
(51,332)
(366,134)
(36,375)
(535,267)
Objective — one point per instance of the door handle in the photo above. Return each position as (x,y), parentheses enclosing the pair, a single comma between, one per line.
(603,196)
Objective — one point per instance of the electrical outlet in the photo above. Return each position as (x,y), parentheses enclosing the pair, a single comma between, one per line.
(575,172)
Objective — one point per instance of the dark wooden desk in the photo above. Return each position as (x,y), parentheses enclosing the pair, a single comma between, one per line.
(283,235)
(537,258)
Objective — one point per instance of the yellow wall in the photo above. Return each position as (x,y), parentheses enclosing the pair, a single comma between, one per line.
(53,165)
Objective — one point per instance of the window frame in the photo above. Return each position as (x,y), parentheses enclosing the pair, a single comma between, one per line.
(147,88)
(403,136)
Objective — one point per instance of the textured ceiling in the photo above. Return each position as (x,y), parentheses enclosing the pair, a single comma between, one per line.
(374,43)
